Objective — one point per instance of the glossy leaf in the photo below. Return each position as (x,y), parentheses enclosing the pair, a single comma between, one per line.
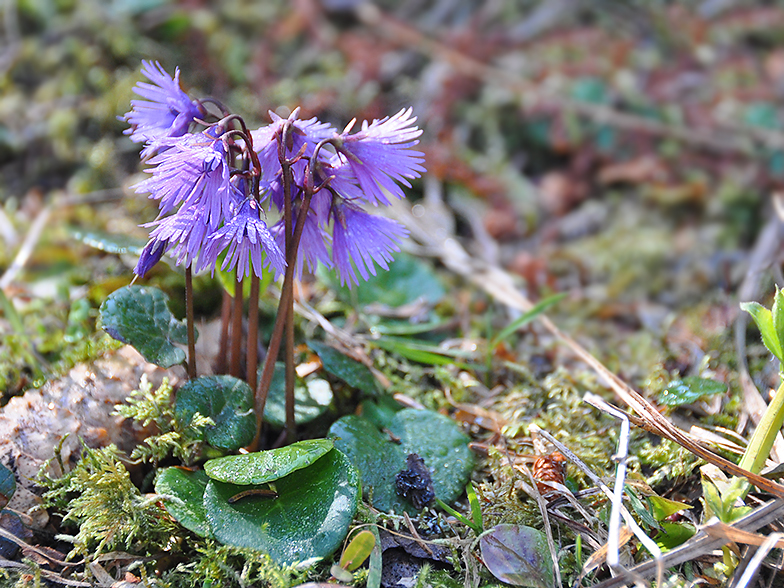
(188,487)
(228,401)
(140,316)
(312,399)
(517,555)
(341,366)
(267,466)
(690,389)
(309,518)
(434,437)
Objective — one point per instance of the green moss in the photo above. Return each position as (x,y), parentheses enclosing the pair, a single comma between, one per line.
(98,497)
(183,440)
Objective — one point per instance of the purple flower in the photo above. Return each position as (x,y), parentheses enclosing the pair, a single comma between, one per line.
(305,132)
(166,110)
(312,245)
(245,236)
(184,233)
(151,254)
(380,155)
(361,240)
(192,171)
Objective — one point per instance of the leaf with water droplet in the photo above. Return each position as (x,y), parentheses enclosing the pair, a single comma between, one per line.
(309,517)
(381,455)
(267,466)
(690,389)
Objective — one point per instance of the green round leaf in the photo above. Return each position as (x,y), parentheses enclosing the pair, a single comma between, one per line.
(227,401)
(434,437)
(189,488)
(517,555)
(267,466)
(309,518)
(690,389)
(140,316)
(311,399)
(341,366)
(7,485)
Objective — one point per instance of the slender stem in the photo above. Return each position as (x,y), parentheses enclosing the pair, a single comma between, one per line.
(285,303)
(236,332)
(253,331)
(223,352)
(758,449)
(189,319)
(291,259)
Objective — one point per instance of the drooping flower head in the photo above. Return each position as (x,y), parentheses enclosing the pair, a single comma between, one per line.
(360,240)
(191,171)
(209,185)
(165,111)
(244,237)
(380,155)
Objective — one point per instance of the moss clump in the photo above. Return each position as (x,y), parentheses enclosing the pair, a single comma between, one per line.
(98,497)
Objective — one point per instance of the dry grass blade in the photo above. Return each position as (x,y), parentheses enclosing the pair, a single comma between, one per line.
(703,543)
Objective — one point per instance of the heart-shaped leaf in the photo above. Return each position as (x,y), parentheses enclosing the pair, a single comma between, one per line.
(518,555)
(307,520)
(341,366)
(140,316)
(434,437)
(227,401)
(189,488)
(267,466)
(311,399)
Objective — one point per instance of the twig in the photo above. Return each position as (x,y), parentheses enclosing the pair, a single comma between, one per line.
(621,455)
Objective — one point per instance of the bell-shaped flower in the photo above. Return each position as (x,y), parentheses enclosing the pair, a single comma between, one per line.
(247,240)
(164,111)
(360,240)
(192,171)
(380,155)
